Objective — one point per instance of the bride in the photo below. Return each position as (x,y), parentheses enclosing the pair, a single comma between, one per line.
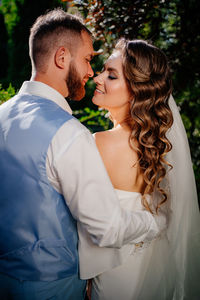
(147,157)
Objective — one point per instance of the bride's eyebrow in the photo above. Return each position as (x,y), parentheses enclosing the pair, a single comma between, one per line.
(112,70)
(109,69)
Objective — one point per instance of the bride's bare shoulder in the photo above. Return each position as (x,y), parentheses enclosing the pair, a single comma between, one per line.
(104,140)
(101,135)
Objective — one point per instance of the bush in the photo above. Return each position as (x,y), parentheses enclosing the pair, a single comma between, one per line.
(6,94)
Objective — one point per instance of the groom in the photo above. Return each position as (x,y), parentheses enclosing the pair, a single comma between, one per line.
(51,174)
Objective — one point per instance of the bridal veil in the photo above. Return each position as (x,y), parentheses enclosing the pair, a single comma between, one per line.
(173,272)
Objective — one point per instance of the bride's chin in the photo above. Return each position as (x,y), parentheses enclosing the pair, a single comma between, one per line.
(94,100)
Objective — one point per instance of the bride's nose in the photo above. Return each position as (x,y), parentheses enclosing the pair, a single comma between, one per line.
(98,79)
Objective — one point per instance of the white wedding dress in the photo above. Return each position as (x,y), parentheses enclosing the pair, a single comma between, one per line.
(125,281)
(167,268)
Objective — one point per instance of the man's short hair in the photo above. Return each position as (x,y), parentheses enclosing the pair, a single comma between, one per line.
(51,30)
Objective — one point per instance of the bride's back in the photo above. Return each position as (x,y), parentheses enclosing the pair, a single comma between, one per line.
(119,159)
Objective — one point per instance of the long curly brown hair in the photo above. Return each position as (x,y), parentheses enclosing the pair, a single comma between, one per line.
(147,74)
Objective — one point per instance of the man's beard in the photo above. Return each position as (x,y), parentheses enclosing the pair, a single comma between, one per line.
(74,84)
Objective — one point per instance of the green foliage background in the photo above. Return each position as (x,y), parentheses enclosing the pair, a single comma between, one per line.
(174,26)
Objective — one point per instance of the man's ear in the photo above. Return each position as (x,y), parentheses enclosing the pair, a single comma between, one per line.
(62,57)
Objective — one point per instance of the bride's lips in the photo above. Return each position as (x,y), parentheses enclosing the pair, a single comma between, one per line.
(98,91)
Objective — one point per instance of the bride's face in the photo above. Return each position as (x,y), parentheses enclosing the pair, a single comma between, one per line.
(111,89)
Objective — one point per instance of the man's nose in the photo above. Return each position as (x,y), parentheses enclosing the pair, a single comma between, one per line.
(90,71)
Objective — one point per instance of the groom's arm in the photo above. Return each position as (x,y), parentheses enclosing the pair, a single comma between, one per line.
(77,171)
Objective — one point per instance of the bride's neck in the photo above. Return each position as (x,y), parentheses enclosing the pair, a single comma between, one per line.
(118,116)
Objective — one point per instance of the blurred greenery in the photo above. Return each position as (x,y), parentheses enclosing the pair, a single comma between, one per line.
(174,26)
(19,16)
(6,94)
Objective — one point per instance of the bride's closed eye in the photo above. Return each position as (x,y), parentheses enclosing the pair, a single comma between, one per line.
(112,77)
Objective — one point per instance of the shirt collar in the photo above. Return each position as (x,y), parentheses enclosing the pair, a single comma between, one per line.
(43,90)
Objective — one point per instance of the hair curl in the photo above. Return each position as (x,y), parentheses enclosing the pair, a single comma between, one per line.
(148,78)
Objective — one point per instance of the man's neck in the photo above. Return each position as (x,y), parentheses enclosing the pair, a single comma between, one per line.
(56,84)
